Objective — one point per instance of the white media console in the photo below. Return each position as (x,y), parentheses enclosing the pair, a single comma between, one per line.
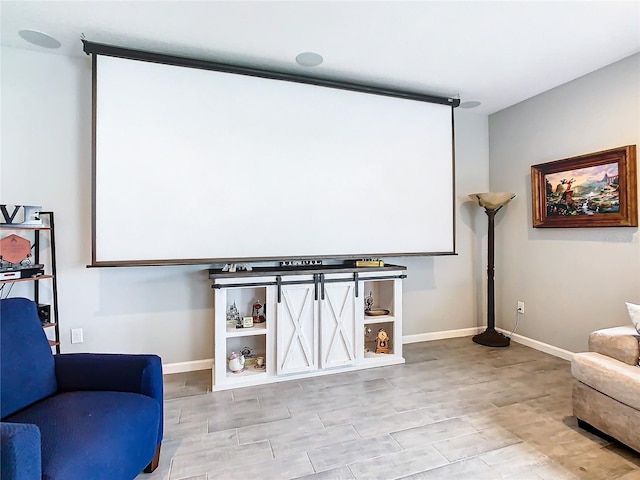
(315,321)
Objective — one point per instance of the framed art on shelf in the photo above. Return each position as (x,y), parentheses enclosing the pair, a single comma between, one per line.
(593,190)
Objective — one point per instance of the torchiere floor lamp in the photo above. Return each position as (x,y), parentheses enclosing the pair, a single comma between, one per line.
(492,203)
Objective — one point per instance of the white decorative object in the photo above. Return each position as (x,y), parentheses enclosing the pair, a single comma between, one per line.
(634,314)
(236,362)
(32,216)
(233,316)
(234,267)
(247,322)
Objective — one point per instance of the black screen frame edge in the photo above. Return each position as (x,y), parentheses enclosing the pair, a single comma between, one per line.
(223,261)
(131,54)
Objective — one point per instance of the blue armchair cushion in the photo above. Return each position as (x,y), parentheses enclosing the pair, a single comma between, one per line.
(94,435)
(27,364)
(111,372)
(20,452)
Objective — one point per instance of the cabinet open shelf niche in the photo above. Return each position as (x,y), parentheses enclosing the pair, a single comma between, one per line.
(370,335)
(230,339)
(382,293)
(256,343)
(315,319)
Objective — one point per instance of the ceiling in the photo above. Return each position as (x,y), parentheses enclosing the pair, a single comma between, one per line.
(499,53)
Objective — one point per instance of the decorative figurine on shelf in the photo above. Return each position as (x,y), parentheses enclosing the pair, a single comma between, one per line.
(236,362)
(368,302)
(367,338)
(258,313)
(247,352)
(247,322)
(369,310)
(233,316)
(382,342)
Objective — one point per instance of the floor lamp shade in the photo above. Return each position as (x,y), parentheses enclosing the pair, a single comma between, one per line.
(492,203)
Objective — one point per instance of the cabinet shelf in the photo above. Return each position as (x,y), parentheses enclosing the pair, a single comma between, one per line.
(16,226)
(48,325)
(257,329)
(53,343)
(373,359)
(26,279)
(378,319)
(247,372)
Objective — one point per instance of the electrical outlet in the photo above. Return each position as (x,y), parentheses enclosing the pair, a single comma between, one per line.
(76,335)
(520,307)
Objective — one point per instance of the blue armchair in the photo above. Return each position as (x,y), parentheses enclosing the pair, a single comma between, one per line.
(73,416)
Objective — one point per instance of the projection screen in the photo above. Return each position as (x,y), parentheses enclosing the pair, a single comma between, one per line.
(201,165)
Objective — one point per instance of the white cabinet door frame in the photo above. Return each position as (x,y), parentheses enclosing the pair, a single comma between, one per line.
(338,323)
(297,326)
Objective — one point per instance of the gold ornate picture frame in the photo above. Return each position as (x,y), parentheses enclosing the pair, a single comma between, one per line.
(593,190)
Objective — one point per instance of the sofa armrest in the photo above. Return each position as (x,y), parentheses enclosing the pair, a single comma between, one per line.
(620,343)
(20,457)
(611,377)
(111,372)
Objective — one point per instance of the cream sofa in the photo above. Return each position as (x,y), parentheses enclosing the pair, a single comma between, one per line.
(607,393)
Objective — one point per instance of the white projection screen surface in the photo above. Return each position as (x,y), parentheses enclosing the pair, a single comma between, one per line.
(204,166)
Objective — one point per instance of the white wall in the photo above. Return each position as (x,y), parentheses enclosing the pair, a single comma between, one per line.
(46,160)
(573,281)
(447,293)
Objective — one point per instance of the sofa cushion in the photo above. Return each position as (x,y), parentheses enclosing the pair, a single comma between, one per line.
(94,435)
(621,343)
(26,364)
(610,377)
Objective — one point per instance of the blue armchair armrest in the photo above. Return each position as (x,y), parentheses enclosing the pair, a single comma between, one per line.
(20,451)
(113,372)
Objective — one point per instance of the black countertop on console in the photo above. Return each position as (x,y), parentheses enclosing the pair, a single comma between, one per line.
(216,273)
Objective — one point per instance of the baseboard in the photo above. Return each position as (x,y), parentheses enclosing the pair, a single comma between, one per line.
(426,337)
(467,332)
(207,364)
(192,366)
(543,347)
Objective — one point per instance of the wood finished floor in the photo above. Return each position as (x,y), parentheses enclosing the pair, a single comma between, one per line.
(455,410)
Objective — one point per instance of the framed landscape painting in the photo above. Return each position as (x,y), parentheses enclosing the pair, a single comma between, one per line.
(593,190)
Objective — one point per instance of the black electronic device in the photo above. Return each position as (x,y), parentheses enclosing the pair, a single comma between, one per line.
(15,271)
(32,271)
(18,267)
(44,312)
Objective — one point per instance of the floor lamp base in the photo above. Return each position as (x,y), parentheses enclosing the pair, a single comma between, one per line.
(491,338)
